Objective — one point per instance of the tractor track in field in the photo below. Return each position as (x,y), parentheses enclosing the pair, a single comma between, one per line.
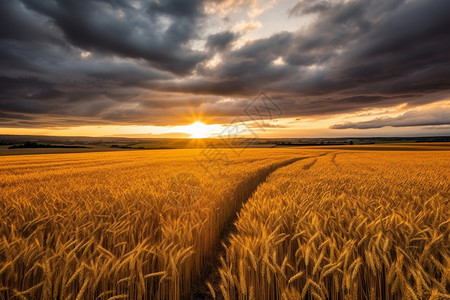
(211,274)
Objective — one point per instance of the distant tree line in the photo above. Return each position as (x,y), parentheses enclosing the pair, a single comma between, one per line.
(30,144)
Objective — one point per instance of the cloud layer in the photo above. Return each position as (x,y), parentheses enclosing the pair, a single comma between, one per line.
(435,116)
(71,62)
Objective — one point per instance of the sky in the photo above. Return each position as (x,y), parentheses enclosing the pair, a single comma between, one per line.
(197,68)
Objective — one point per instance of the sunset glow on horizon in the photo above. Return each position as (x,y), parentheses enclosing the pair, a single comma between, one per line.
(283,127)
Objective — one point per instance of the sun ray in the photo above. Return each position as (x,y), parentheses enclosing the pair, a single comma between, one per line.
(199,130)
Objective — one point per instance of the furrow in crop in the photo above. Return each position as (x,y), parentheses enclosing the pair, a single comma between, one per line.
(242,194)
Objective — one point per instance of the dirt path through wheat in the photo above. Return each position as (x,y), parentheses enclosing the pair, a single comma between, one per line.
(211,274)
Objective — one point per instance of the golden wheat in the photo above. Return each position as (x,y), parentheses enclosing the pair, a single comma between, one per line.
(357,225)
(105,225)
(121,225)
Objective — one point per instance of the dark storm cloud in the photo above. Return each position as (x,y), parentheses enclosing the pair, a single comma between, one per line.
(436,116)
(243,71)
(220,41)
(309,7)
(375,52)
(132,31)
(72,62)
(43,72)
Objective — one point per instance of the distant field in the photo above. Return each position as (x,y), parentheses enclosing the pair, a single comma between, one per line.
(317,222)
(199,144)
(28,151)
(391,147)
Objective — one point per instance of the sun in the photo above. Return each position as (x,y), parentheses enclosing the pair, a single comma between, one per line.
(198,130)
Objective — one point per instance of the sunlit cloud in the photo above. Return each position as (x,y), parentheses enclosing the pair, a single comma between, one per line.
(85,54)
(430,115)
(279,61)
(245,26)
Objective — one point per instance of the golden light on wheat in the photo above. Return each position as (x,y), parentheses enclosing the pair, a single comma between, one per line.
(354,226)
(324,224)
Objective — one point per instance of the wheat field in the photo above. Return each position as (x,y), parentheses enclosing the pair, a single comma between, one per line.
(308,223)
(349,225)
(102,226)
